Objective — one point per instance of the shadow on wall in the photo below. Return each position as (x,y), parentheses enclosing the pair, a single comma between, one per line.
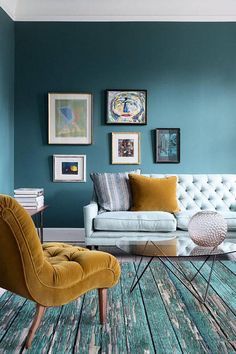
(153,142)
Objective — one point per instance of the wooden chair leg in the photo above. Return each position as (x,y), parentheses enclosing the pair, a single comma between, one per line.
(102,296)
(35,324)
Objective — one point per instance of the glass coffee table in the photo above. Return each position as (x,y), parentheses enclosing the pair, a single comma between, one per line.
(169,251)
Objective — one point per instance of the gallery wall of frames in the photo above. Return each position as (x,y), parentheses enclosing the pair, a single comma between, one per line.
(70,121)
(110,97)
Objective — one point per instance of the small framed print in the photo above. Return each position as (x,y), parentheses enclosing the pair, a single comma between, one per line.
(69,168)
(127,107)
(126,148)
(168,145)
(70,118)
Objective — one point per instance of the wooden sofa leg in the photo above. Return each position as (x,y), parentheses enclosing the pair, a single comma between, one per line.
(102,296)
(36,322)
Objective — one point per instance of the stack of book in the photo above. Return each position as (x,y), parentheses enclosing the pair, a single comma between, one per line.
(30,198)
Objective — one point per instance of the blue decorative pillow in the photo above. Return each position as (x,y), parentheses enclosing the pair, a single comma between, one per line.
(113,190)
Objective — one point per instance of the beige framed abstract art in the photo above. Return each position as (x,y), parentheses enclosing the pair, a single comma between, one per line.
(126,148)
(70,118)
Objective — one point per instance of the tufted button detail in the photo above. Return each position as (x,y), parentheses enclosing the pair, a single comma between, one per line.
(207,191)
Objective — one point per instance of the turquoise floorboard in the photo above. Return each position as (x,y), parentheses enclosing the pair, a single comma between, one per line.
(160,316)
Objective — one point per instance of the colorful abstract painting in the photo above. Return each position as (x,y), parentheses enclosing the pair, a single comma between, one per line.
(125,147)
(69,168)
(127,107)
(71,117)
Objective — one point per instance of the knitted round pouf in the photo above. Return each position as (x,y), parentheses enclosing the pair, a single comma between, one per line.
(207,228)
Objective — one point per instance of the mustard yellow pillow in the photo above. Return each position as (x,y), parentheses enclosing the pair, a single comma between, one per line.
(151,194)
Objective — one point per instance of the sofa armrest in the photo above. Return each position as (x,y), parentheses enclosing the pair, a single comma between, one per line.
(90,212)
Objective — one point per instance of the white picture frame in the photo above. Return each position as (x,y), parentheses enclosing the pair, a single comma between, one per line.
(69,168)
(126,148)
(70,118)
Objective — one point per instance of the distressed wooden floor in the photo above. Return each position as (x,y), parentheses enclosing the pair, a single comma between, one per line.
(160,316)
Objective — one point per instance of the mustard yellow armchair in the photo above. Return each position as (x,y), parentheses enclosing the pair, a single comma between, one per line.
(51,274)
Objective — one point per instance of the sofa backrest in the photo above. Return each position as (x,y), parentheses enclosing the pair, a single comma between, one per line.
(205,191)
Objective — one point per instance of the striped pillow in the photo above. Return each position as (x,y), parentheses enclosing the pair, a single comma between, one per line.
(113,190)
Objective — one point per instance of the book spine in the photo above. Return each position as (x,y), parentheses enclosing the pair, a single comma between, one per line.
(31,207)
(34,194)
(27,195)
(30,199)
(32,204)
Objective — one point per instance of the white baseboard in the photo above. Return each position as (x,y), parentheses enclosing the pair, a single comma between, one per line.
(63,234)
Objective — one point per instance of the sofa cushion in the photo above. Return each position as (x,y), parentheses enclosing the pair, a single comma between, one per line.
(154,194)
(184,217)
(150,221)
(205,191)
(113,190)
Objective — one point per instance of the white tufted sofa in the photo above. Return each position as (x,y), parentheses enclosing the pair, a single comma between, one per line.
(194,192)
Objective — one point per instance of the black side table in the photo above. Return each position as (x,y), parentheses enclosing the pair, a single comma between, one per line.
(38,213)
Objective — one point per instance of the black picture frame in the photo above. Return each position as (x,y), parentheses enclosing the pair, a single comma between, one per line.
(167,145)
(126,118)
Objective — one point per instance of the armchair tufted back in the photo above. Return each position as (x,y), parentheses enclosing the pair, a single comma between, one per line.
(205,191)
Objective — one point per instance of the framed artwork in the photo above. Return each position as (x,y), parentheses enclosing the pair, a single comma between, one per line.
(70,118)
(127,107)
(69,168)
(168,145)
(126,148)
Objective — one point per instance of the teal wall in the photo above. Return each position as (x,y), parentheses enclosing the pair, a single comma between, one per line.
(6,103)
(189,70)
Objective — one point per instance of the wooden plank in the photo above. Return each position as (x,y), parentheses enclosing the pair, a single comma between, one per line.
(88,338)
(163,334)
(230,265)
(214,304)
(146,321)
(137,330)
(225,276)
(66,329)
(113,332)
(14,336)
(4,298)
(187,333)
(222,289)
(46,331)
(9,312)
(208,328)
(2,291)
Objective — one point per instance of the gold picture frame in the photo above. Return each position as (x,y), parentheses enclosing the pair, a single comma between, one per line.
(126,148)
